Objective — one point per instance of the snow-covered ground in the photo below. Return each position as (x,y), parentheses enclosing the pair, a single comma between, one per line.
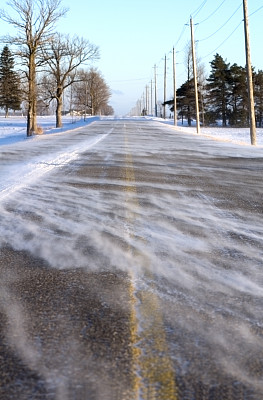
(13,129)
(234,135)
(25,159)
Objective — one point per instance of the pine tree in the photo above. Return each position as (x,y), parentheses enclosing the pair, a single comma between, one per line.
(258,94)
(185,98)
(10,97)
(218,88)
(186,101)
(239,96)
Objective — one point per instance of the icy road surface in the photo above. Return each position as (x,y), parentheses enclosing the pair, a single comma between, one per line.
(181,217)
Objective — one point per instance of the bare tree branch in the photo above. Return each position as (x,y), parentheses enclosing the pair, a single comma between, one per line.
(63,56)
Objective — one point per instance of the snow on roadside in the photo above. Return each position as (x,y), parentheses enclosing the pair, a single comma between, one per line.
(239,136)
(13,129)
(20,168)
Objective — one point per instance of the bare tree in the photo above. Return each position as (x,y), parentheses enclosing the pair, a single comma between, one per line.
(107,110)
(34,22)
(92,92)
(64,55)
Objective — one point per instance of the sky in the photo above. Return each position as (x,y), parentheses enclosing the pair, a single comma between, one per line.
(135,35)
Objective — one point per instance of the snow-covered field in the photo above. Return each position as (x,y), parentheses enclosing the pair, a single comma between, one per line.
(13,129)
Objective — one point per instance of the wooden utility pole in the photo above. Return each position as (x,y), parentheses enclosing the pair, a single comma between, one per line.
(139,107)
(151,97)
(164,88)
(174,80)
(195,77)
(155,91)
(253,135)
(86,99)
(146,100)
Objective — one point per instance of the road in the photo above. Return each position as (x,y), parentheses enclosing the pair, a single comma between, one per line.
(131,266)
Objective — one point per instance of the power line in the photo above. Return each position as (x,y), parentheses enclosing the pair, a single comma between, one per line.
(127,80)
(224,40)
(256,11)
(197,11)
(209,16)
(181,34)
(222,26)
(184,27)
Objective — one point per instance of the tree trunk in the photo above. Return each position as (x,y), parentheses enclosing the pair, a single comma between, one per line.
(59,112)
(189,116)
(34,111)
(224,116)
(31,114)
(59,106)
(29,120)
(91,104)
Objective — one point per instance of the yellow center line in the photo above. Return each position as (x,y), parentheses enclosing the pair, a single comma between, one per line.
(130,207)
(154,377)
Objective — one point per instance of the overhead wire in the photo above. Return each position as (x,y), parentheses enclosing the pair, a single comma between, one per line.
(224,40)
(184,26)
(127,80)
(222,26)
(181,34)
(210,15)
(256,11)
(197,11)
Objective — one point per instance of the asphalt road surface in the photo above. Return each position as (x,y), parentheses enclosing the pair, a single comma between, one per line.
(131,266)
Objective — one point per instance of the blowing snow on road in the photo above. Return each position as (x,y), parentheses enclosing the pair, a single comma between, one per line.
(131,265)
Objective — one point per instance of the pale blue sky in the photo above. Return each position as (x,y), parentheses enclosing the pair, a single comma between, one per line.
(135,35)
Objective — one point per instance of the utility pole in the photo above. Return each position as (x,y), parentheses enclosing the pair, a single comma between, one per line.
(146,100)
(195,77)
(253,135)
(151,97)
(174,79)
(155,91)
(164,88)
(148,97)
(86,99)
(140,107)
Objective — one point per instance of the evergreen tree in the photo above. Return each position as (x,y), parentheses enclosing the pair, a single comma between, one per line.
(258,96)
(185,99)
(218,89)
(9,82)
(238,97)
